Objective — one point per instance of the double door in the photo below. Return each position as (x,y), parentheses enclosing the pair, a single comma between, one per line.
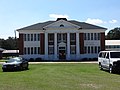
(62,54)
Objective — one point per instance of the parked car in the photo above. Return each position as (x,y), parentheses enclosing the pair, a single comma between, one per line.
(109,60)
(16,63)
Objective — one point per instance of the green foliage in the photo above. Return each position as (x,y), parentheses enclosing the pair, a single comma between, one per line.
(60,77)
(9,44)
(114,34)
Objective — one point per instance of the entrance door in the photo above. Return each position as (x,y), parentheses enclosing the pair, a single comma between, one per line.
(62,54)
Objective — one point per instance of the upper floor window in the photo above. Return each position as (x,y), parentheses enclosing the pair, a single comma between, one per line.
(62,37)
(24,37)
(31,37)
(28,37)
(91,36)
(35,37)
(50,37)
(72,36)
(38,35)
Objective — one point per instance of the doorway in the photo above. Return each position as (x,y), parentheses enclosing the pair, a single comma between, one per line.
(62,54)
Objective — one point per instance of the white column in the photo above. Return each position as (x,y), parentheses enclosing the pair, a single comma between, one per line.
(77,46)
(68,46)
(55,46)
(46,46)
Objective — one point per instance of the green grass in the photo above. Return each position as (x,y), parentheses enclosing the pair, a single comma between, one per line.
(60,77)
(2,60)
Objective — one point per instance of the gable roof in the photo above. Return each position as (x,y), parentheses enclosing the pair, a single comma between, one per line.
(39,26)
(86,25)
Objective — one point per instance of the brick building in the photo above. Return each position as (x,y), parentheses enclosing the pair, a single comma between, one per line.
(61,39)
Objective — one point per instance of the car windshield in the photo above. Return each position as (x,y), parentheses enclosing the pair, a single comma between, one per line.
(13,60)
(115,54)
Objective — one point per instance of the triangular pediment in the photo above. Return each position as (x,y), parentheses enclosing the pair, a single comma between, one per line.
(62,24)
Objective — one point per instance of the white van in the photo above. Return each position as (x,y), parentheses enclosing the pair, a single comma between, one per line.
(109,60)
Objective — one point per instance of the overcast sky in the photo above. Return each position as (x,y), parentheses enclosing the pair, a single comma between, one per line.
(15,14)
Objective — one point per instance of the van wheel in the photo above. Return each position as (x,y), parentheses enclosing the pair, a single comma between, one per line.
(100,66)
(111,69)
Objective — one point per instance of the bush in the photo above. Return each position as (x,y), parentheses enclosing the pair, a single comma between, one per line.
(38,59)
(31,60)
(95,59)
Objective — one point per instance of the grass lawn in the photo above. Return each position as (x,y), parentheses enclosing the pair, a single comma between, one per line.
(60,77)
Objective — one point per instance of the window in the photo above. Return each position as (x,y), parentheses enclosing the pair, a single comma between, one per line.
(38,50)
(61,25)
(100,55)
(85,49)
(28,50)
(38,36)
(98,36)
(24,37)
(72,50)
(28,37)
(50,50)
(59,37)
(88,49)
(91,36)
(115,54)
(103,54)
(85,38)
(95,36)
(51,37)
(98,48)
(35,50)
(31,50)
(31,37)
(88,36)
(92,49)
(64,37)
(25,51)
(35,37)
(107,56)
(95,49)
(72,36)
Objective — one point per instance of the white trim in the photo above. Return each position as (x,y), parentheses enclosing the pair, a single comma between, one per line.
(77,46)
(46,46)
(55,46)
(68,46)
(57,24)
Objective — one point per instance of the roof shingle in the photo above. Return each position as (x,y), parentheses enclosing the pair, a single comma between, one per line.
(39,26)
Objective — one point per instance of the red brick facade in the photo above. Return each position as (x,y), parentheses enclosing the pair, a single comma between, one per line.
(21,44)
(42,43)
(81,38)
(102,41)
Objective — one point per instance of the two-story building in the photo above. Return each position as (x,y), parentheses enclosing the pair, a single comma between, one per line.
(61,39)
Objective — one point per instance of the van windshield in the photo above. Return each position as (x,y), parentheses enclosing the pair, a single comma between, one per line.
(115,54)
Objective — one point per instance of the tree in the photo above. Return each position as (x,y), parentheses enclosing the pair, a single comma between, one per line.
(114,34)
(9,44)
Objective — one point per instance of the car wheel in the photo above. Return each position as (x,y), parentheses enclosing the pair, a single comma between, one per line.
(26,67)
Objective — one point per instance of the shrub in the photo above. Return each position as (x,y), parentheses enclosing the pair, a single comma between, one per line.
(38,59)
(31,60)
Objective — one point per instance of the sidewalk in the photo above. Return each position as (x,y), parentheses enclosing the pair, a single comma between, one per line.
(56,62)
(60,62)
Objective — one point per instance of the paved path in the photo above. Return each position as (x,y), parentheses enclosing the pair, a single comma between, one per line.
(57,62)
(60,62)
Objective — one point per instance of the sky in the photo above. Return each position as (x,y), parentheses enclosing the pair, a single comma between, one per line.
(15,14)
